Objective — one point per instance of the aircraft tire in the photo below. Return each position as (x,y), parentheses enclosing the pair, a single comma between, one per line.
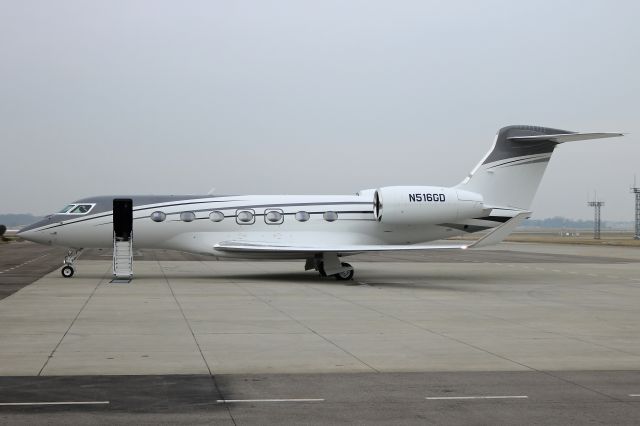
(321,269)
(345,276)
(67,271)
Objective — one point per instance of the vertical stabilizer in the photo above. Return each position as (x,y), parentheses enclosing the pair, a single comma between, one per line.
(510,173)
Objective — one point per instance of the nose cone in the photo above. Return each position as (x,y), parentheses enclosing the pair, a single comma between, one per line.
(29,235)
(35,233)
(23,233)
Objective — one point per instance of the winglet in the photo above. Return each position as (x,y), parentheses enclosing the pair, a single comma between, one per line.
(501,232)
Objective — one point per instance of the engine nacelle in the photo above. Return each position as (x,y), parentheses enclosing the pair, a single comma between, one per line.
(424,205)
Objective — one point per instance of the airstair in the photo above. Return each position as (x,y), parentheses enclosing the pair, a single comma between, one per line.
(122,240)
(122,258)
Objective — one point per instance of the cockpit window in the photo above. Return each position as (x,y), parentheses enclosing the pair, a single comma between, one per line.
(77,209)
(81,209)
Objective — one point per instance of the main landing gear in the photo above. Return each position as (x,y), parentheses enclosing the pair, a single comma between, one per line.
(345,275)
(328,264)
(69,260)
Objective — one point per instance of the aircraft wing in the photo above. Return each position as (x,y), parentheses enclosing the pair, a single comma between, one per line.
(264,247)
(495,236)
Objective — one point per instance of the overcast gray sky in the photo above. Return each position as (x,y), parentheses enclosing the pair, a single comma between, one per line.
(310,96)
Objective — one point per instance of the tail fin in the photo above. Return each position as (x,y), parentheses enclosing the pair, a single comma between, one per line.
(510,173)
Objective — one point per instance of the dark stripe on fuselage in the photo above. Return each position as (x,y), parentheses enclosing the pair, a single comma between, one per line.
(141,208)
(110,213)
(262,214)
(268,206)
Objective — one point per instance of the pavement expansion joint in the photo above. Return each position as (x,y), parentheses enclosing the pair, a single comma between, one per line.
(84,305)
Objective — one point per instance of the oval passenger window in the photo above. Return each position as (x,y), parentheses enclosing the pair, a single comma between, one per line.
(216,216)
(274,216)
(187,216)
(245,217)
(158,216)
(330,216)
(302,216)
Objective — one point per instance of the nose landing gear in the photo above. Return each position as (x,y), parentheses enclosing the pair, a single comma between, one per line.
(67,271)
(69,260)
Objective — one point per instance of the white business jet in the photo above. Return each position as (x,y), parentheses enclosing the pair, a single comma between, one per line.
(495,196)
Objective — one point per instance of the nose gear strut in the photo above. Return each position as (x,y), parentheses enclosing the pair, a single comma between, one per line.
(69,260)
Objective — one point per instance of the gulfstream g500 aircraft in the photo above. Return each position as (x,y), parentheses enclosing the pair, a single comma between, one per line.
(320,228)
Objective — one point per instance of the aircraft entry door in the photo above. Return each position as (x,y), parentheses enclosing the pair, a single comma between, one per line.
(123,218)
(122,239)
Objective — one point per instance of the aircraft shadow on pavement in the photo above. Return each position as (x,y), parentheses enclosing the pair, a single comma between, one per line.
(409,281)
(311,277)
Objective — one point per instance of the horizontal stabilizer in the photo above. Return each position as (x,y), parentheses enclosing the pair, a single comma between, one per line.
(565,137)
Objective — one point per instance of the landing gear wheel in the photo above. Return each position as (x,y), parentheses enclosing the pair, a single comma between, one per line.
(67,271)
(346,275)
(321,269)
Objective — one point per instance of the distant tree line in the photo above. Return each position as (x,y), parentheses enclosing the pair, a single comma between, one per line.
(558,222)
(15,220)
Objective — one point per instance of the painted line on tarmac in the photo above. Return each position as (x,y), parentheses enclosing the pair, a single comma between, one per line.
(437,398)
(634,394)
(8,404)
(24,263)
(229,401)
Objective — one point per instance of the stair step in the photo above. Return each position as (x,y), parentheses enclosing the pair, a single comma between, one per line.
(123,258)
